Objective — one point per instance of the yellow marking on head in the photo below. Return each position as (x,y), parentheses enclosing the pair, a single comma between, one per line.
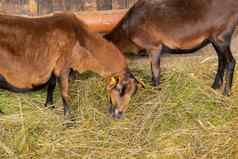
(114,80)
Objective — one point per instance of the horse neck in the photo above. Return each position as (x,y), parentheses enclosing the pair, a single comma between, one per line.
(100,56)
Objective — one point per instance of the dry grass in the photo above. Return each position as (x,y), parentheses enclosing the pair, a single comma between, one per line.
(186,119)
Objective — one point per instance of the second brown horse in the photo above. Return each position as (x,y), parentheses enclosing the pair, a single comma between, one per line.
(181,26)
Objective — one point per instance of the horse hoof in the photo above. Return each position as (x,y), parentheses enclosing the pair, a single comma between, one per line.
(117,115)
(155,84)
(227,92)
(68,121)
(217,85)
(49,105)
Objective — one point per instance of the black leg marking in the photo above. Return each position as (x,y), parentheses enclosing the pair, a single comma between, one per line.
(50,90)
(66,107)
(218,81)
(230,71)
(155,65)
(223,48)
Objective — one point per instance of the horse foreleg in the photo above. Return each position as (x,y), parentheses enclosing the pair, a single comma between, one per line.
(155,65)
(50,90)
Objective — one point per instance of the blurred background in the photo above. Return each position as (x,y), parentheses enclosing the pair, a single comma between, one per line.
(41,7)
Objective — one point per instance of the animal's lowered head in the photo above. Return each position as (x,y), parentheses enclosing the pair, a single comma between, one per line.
(120,89)
(94,53)
(121,84)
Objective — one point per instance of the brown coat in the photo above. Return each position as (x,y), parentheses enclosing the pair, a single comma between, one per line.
(32,50)
(180,26)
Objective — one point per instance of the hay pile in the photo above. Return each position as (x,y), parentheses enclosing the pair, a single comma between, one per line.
(186,119)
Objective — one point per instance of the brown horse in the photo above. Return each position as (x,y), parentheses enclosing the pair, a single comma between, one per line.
(35,52)
(181,26)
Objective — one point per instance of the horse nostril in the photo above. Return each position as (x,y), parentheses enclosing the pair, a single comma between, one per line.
(117,115)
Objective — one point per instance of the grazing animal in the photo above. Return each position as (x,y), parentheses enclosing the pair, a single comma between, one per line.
(35,52)
(180,26)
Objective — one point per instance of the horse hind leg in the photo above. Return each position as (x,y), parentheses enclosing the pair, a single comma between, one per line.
(154,49)
(222,46)
(218,82)
(155,56)
(230,71)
